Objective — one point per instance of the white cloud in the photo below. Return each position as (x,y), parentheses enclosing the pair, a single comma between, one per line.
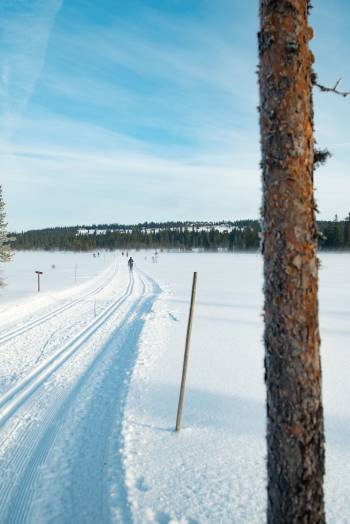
(24,37)
(127,180)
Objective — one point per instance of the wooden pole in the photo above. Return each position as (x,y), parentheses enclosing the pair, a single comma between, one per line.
(187,350)
(39,273)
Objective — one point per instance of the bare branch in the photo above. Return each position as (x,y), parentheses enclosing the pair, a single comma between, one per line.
(334,89)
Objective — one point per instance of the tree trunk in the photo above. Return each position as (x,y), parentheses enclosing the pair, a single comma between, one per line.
(295,435)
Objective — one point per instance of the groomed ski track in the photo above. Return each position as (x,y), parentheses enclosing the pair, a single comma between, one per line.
(60,423)
(11,334)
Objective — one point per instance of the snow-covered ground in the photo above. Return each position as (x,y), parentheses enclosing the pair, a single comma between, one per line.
(90,379)
(60,269)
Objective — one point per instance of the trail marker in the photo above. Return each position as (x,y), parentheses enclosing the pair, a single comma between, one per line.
(39,273)
(187,350)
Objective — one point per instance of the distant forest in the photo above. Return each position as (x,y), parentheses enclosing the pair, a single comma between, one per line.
(208,236)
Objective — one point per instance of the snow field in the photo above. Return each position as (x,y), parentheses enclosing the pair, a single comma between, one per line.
(214,470)
(20,291)
(90,380)
(335,337)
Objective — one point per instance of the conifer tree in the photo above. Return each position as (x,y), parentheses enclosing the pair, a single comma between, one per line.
(347,232)
(338,233)
(5,252)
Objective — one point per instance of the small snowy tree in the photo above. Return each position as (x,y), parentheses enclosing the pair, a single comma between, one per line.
(5,251)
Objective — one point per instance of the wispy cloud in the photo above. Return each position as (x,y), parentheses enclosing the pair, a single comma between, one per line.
(130,180)
(187,88)
(119,111)
(25,29)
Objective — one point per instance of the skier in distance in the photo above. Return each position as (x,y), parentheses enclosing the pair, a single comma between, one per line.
(131,263)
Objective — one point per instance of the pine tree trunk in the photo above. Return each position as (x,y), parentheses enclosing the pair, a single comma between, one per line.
(295,435)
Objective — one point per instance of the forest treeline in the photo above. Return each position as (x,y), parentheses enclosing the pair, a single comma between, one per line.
(208,236)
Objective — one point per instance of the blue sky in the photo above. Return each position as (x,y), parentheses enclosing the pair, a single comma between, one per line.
(133,110)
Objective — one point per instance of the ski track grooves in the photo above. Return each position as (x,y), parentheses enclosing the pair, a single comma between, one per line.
(114,363)
(6,337)
(14,397)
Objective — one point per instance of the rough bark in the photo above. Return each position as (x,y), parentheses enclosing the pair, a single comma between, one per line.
(295,434)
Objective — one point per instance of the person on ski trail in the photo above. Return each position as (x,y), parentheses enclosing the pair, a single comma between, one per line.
(131,263)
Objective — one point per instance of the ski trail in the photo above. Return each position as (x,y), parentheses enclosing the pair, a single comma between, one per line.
(15,397)
(25,444)
(9,335)
(90,487)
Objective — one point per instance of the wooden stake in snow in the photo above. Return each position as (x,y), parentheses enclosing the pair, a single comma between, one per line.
(39,273)
(187,349)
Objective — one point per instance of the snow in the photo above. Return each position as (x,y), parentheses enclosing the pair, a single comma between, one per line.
(214,469)
(207,227)
(21,280)
(90,376)
(60,417)
(71,274)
